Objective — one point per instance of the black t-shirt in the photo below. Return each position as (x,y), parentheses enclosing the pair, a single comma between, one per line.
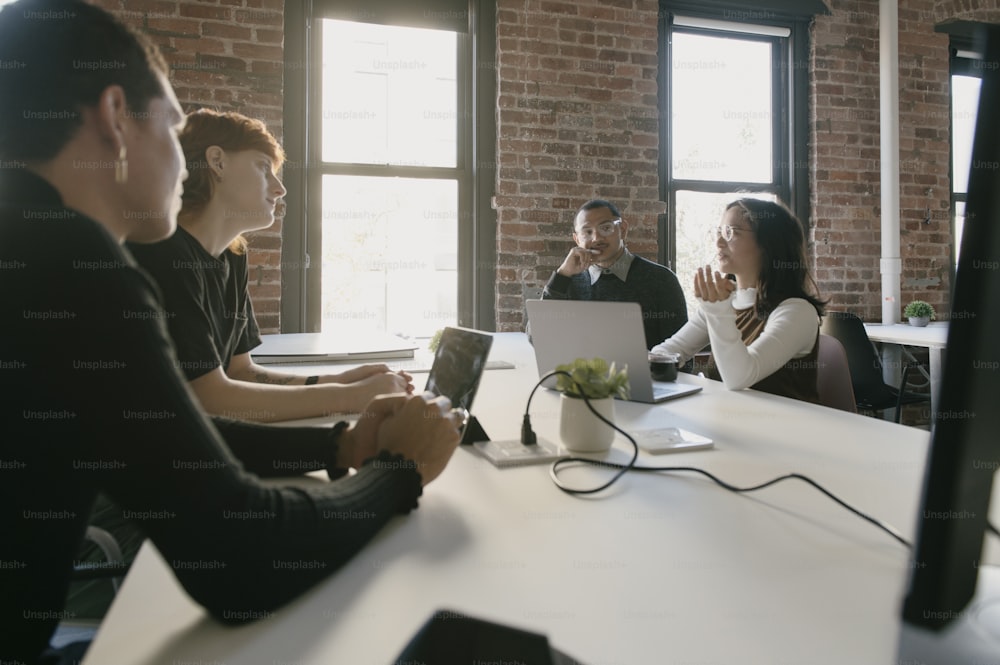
(205,299)
(94,402)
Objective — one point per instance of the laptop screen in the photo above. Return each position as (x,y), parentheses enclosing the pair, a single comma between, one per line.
(458,365)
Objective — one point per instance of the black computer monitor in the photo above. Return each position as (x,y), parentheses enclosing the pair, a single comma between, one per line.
(965,442)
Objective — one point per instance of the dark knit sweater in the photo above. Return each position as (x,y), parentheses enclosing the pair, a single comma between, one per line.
(653,286)
(95,402)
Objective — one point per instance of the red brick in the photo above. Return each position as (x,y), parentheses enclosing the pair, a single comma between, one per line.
(173,26)
(228,30)
(206,11)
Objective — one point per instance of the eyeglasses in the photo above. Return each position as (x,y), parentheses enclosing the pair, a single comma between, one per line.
(727,231)
(603,229)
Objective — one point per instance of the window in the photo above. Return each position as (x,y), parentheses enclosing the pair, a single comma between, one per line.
(965,80)
(734,122)
(395,208)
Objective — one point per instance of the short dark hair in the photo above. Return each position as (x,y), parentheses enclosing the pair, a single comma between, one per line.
(593,204)
(56,58)
(784,272)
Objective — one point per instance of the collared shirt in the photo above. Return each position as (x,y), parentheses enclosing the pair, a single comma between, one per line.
(619,268)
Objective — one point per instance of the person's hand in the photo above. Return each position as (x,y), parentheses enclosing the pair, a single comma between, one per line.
(358,373)
(424,430)
(712,287)
(361,441)
(578,260)
(362,392)
(404,382)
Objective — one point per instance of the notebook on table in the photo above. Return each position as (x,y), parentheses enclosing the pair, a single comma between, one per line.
(331,347)
(564,330)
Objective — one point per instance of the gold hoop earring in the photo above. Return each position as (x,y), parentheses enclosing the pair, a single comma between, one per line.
(121,167)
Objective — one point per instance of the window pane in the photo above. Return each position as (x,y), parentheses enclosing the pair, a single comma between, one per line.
(390,254)
(698,214)
(959,225)
(389,95)
(721,97)
(964,104)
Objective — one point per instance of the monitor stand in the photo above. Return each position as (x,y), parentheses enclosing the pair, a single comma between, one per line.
(473,432)
(972,638)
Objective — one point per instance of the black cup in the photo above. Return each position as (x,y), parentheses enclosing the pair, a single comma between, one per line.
(663,368)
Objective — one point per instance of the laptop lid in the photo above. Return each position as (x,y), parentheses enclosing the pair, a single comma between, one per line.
(564,330)
(331,347)
(458,365)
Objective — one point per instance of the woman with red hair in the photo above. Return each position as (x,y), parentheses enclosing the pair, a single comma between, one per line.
(233,188)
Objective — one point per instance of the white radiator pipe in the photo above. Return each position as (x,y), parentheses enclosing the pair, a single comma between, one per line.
(891,264)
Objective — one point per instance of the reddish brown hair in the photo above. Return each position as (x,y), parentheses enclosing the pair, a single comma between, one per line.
(231,131)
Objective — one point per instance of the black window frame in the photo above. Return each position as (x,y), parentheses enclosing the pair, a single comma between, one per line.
(475,169)
(790,96)
(963,61)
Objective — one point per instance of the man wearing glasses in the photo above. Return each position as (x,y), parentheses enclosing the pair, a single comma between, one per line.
(600,267)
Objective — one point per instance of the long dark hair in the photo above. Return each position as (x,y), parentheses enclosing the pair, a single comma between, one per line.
(784,272)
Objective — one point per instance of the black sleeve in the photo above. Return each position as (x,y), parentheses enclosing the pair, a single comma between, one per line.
(673,304)
(179,276)
(250,336)
(273,451)
(237,547)
(558,287)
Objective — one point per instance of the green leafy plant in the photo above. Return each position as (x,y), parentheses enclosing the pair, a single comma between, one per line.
(596,377)
(918,309)
(435,341)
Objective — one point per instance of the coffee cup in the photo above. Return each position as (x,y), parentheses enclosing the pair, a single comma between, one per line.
(663,366)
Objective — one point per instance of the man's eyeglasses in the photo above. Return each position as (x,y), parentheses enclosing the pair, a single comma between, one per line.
(603,229)
(727,232)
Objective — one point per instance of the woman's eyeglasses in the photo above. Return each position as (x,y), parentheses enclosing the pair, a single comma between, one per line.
(604,230)
(727,232)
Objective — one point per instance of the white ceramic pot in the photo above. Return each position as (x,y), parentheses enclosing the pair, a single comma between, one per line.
(580,429)
(919,321)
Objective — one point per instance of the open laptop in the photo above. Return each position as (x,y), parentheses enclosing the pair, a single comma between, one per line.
(331,347)
(564,330)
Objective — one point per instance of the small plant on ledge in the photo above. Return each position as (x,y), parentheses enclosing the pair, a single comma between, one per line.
(597,379)
(919,312)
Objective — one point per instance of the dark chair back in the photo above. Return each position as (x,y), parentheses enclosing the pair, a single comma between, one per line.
(833,377)
(863,360)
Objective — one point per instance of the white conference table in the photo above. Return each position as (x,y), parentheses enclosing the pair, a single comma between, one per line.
(933,337)
(662,568)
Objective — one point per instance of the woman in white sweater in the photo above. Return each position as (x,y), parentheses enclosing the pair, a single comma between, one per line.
(760,311)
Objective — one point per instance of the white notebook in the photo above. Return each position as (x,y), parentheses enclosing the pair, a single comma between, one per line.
(331,347)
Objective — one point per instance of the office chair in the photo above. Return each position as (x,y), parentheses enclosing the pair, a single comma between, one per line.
(871,392)
(114,567)
(833,376)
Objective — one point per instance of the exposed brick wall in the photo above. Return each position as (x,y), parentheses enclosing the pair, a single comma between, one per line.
(577,119)
(845,152)
(985,11)
(227,55)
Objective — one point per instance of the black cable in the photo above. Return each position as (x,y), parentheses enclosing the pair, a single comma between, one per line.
(631,465)
(526,431)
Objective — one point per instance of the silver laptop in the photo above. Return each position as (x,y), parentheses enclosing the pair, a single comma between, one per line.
(564,330)
(331,347)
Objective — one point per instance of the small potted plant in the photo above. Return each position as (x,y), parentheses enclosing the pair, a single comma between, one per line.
(579,429)
(919,313)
